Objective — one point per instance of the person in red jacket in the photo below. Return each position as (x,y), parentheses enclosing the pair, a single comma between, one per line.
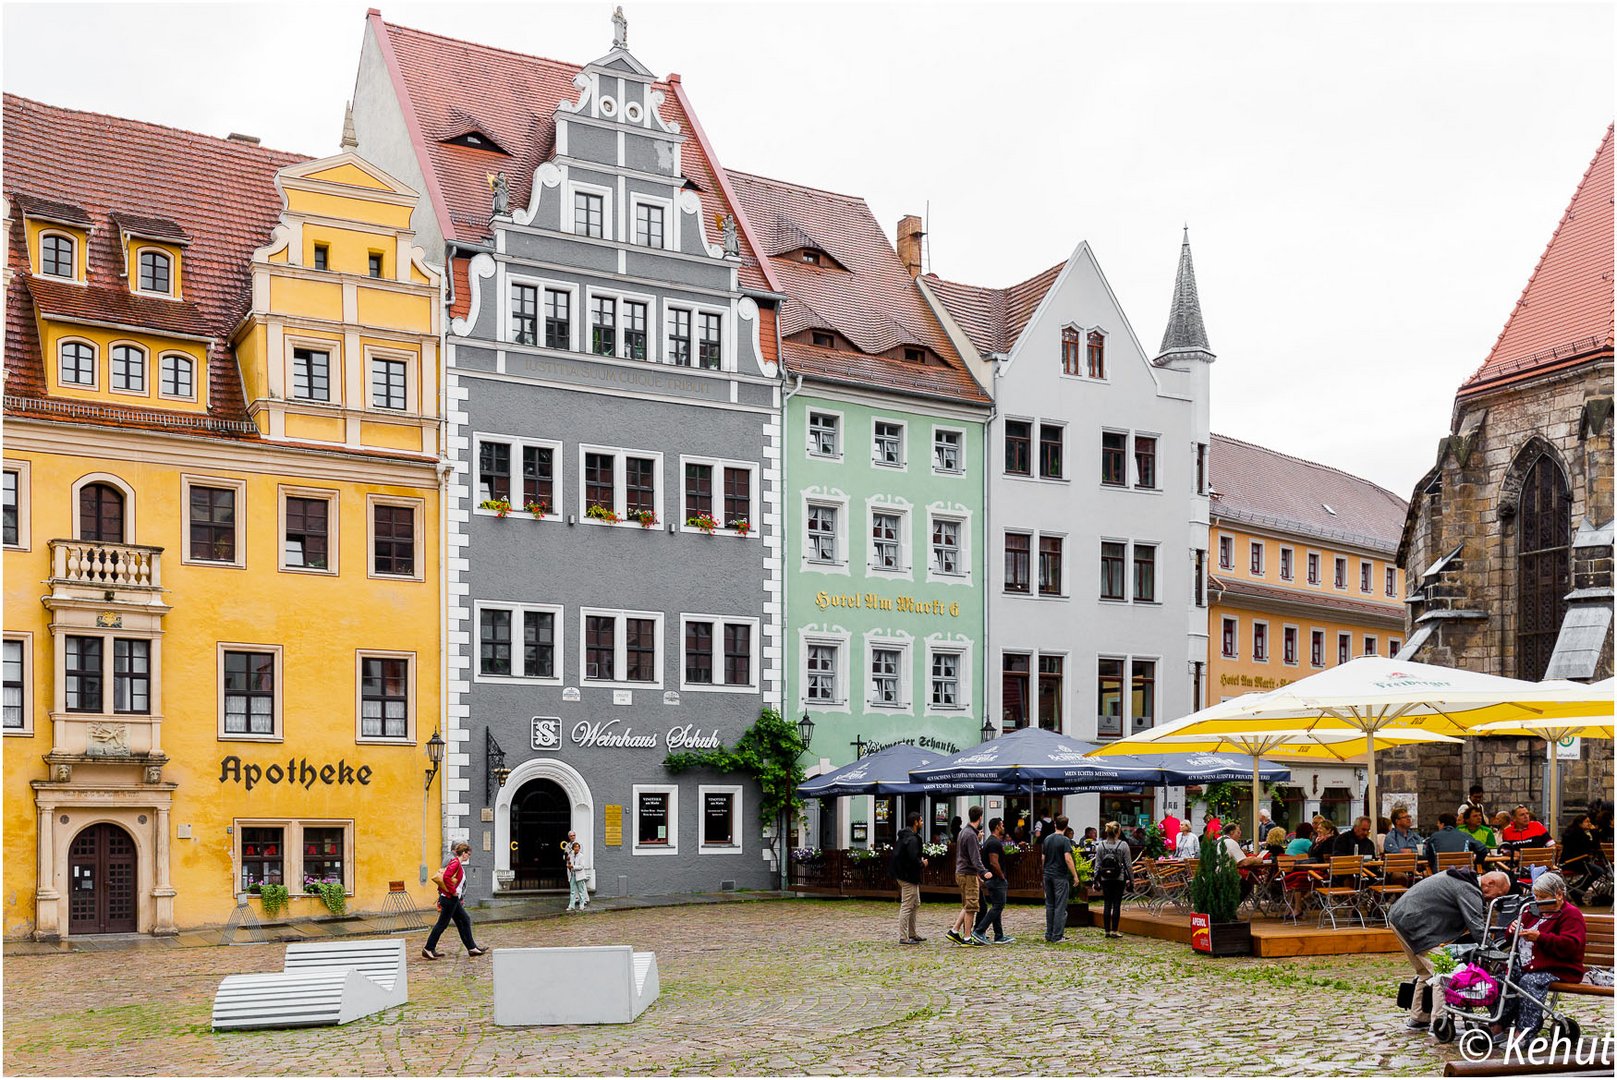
(1524,832)
(1558,937)
(451,882)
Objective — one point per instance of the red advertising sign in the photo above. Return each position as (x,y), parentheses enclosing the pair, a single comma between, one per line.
(1201,933)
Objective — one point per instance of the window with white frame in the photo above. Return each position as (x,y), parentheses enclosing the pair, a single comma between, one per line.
(155,272)
(1288,645)
(710,340)
(1316,648)
(1113,560)
(947,552)
(589,214)
(76,363)
(1050,565)
(390,384)
(518,641)
(721,819)
(56,256)
(656,819)
(887,534)
(1052,445)
(1145,461)
(947,451)
(822,532)
(944,682)
(386,696)
(622,647)
(311,374)
(558,319)
(249,691)
(177,376)
(1226,553)
(634,330)
(1145,573)
(825,434)
(273,851)
(648,225)
(128,369)
(679,337)
(888,443)
(525,314)
(719,652)
(624,482)
(17,714)
(822,682)
(603,325)
(1229,645)
(887,676)
(1260,642)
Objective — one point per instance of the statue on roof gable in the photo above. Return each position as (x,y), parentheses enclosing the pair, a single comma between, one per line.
(620,29)
(732,242)
(502,194)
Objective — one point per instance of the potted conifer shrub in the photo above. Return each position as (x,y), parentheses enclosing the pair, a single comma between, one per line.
(1215,893)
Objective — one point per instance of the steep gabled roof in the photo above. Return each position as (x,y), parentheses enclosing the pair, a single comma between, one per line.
(1185,330)
(994,318)
(1564,314)
(445,84)
(872,301)
(1259,486)
(218,195)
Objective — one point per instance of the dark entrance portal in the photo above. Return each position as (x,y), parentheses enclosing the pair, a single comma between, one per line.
(541,815)
(101,882)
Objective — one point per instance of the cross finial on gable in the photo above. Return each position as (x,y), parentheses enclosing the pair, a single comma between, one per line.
(620,29)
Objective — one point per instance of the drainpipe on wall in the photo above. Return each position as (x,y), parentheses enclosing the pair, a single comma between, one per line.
(785,824)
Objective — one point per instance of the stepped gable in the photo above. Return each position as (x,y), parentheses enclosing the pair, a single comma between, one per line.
(216,196)
(870,300)
(994,318)
(1260,486)
(1564,315)
(513,101)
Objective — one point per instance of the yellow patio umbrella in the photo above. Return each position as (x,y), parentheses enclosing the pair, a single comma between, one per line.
(1553,731)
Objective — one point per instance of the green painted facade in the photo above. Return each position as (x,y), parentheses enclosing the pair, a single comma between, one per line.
(852,604)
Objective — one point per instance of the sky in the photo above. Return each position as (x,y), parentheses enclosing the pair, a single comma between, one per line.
(1367,186)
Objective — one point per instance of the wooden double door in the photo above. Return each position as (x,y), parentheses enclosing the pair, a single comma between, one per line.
(102,881)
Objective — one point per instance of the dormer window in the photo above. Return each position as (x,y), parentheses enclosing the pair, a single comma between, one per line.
(155,272)
(823,340)
(475,140)
(915,356)
(56,255)
(812,257)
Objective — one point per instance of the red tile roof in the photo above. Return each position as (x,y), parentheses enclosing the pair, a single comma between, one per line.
(1258,486)
(1251,590)
(1565,313)
(872,302)
(513,101)
(994,318)
(222,190)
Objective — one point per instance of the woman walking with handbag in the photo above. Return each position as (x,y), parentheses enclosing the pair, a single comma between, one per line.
(451,882)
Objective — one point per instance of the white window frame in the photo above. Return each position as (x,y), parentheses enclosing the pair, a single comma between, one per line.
(1296,645)
(903,464)
(145,364)
(1128,570)
(1287,554)
(696,308)
(906,674)
(1065,592)
(621,297)
(337,373)
(960,450)
(409,737)
(330,496)
(961,649)
(191,480)
(718,465)
(620,480)
(631,230)
(195,380)
(25,513)
(517,444)
(1039,425)
(1324,657)
(173,271)
(717,622)
(905,570)
(26,640)
(77,262)
(1158,584)
(95,363)
(963,553)
(738,818)
(670,848)
(1268,645)
(836,638)
(1235,624)
(373,500)
(841,433)
(1262,551)
(620,647)
(1318,575)
(1134,459)
(1222,542)
(839,502)
(534,281)
(608,221)
(1372,643)
(518,620)
(279,733)
(412,380)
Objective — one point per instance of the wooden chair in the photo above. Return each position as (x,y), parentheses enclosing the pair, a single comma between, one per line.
(1535,856)
(1397,874)
(1342,890)
(1455,860)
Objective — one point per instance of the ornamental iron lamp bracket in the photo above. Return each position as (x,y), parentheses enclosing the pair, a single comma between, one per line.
(497,773)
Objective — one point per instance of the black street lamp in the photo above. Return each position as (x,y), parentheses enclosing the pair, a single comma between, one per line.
(805,730)
(435,754)
(989,730)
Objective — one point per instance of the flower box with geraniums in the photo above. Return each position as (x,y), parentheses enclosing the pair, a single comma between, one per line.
(646,518)
(501,507)
(1215,894)
(604,514)
(538,510)
(705,522)
(741,526)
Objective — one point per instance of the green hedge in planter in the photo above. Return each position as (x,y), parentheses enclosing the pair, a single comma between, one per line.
(1215,891)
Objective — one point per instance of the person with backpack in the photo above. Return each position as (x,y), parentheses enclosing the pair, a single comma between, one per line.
(906,868)
(1113,860)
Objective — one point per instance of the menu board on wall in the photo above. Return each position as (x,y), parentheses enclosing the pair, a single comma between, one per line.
(613,826)
(717,819)
(653,816)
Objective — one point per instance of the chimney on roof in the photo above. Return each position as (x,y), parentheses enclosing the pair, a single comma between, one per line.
(909,244)
(236,136)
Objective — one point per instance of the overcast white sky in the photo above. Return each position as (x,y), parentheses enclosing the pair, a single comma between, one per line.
(1368,186)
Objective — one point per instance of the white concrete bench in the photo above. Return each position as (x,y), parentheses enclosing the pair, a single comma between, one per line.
(592,984)
(323,983)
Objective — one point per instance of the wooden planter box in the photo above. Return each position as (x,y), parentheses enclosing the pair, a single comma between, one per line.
(1220,939)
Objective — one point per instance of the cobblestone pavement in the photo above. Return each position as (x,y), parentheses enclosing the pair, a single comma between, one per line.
(774,986)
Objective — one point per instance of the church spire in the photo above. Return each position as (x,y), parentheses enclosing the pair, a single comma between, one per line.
(1185,333)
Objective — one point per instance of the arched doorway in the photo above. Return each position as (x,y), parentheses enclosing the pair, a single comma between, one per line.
(101,881)
(541,815)
(1544,532)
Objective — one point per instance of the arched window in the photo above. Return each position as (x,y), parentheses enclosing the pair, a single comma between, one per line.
(178,377)
(1071,354)
(129,369)
(101,513)
(154,272)
(1543,557)
(1097,355)
(56,255)
(77,367)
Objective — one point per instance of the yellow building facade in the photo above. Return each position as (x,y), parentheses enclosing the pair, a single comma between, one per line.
(222,556)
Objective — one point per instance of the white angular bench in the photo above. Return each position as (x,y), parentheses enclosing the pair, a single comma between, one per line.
(323,983)
(588,984)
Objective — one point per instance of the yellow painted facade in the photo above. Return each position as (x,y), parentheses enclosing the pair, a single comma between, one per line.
(1283,599)
(268,684)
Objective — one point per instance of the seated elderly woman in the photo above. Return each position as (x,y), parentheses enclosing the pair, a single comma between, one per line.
(1556,937)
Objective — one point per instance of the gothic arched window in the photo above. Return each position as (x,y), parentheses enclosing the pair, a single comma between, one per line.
(1543,559)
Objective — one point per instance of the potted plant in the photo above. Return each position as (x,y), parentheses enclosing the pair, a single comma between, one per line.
(647,518)
(602,513)
(273,897)
(1215,893)
(538,510)
(501,507)
(706,522)
(742,526)
(1156,846)
(1078,898)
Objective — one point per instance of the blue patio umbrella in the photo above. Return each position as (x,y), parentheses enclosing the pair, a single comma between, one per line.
(886,772)
(1197,767)
(1032,759)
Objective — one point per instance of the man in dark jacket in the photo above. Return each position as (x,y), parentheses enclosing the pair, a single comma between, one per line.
(1357,842)
(906,867)
(1448,838)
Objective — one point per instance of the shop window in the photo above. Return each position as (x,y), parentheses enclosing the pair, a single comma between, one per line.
(721,820)
(263,856)
(656,819)
(323,855)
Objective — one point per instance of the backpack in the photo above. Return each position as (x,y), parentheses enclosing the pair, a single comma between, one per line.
(1110,867)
